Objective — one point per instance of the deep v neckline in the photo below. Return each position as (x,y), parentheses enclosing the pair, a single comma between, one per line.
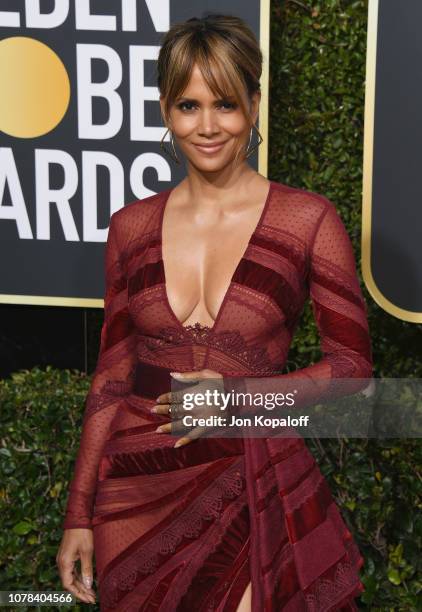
(197,324)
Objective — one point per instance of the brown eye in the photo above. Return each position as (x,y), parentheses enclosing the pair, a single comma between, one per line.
(186,106)
(226,105)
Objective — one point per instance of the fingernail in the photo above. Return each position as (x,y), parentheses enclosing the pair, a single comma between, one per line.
(176,374)
(178,443)
(159,429)
(154,409)
(87,581)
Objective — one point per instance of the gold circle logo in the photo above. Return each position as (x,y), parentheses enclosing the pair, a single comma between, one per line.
(35,88)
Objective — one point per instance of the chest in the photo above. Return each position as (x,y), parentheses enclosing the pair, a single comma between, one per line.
(224,276)
(200,257)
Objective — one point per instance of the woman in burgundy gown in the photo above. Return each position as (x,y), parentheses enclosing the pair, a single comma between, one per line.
(209,279)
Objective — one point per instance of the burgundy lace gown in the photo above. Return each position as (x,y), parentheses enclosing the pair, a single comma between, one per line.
(183,529)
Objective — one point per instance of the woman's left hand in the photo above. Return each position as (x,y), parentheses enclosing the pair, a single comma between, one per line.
(166,402)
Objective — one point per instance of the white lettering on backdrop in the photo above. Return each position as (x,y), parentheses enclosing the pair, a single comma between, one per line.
(87,16)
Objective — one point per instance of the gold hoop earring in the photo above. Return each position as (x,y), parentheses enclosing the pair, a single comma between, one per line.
(172,154)
(250,150)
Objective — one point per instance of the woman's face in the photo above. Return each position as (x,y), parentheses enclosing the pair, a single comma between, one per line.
(209,130)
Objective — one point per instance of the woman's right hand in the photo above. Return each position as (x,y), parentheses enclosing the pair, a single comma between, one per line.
(77,544)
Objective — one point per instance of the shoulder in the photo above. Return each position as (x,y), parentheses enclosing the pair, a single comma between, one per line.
(302,200)
(299,211)
(136,220)
(137,209)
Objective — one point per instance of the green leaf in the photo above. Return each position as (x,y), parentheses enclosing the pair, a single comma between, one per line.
(394,576)
(22,528)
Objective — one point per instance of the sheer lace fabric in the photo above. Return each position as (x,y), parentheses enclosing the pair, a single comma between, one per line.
(177,529)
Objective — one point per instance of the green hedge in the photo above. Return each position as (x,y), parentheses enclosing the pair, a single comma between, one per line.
(41,414)
(316,142)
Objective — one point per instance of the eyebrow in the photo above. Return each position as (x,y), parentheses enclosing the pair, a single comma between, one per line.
(193,101)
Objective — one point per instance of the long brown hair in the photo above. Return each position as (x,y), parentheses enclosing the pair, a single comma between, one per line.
(226,51)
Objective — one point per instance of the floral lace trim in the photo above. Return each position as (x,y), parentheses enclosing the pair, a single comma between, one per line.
(196,326)
(111,391)
(252,358)
(329,299)
(347,364)
(187,525)
(195,563)
(330,592)
(330,270)
(294,243)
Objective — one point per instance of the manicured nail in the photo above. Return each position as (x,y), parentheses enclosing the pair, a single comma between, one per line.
(159,429)
(87,581)
(176,373)
(154,409)
(178,443)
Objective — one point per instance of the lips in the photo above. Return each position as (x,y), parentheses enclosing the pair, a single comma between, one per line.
(209,148)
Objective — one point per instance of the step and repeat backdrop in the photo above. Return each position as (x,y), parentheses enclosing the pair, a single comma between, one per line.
(80,129)
(80,132)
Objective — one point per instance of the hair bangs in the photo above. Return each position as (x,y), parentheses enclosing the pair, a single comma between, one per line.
(210,55)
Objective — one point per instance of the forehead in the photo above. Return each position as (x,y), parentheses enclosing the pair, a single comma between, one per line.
(197,86)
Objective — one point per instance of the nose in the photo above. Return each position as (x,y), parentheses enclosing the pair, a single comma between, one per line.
(208,123)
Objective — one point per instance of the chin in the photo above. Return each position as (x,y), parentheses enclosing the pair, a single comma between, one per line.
(211,165)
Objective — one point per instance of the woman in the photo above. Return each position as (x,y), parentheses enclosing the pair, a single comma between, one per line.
(209,279)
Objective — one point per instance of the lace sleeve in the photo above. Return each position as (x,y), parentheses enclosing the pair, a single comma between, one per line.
(340,314)
(112,380)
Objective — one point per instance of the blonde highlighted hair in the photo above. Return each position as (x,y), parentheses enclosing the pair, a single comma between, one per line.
(225,50)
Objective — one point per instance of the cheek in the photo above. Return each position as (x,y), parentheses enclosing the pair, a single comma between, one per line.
(184,126)
(235,126)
